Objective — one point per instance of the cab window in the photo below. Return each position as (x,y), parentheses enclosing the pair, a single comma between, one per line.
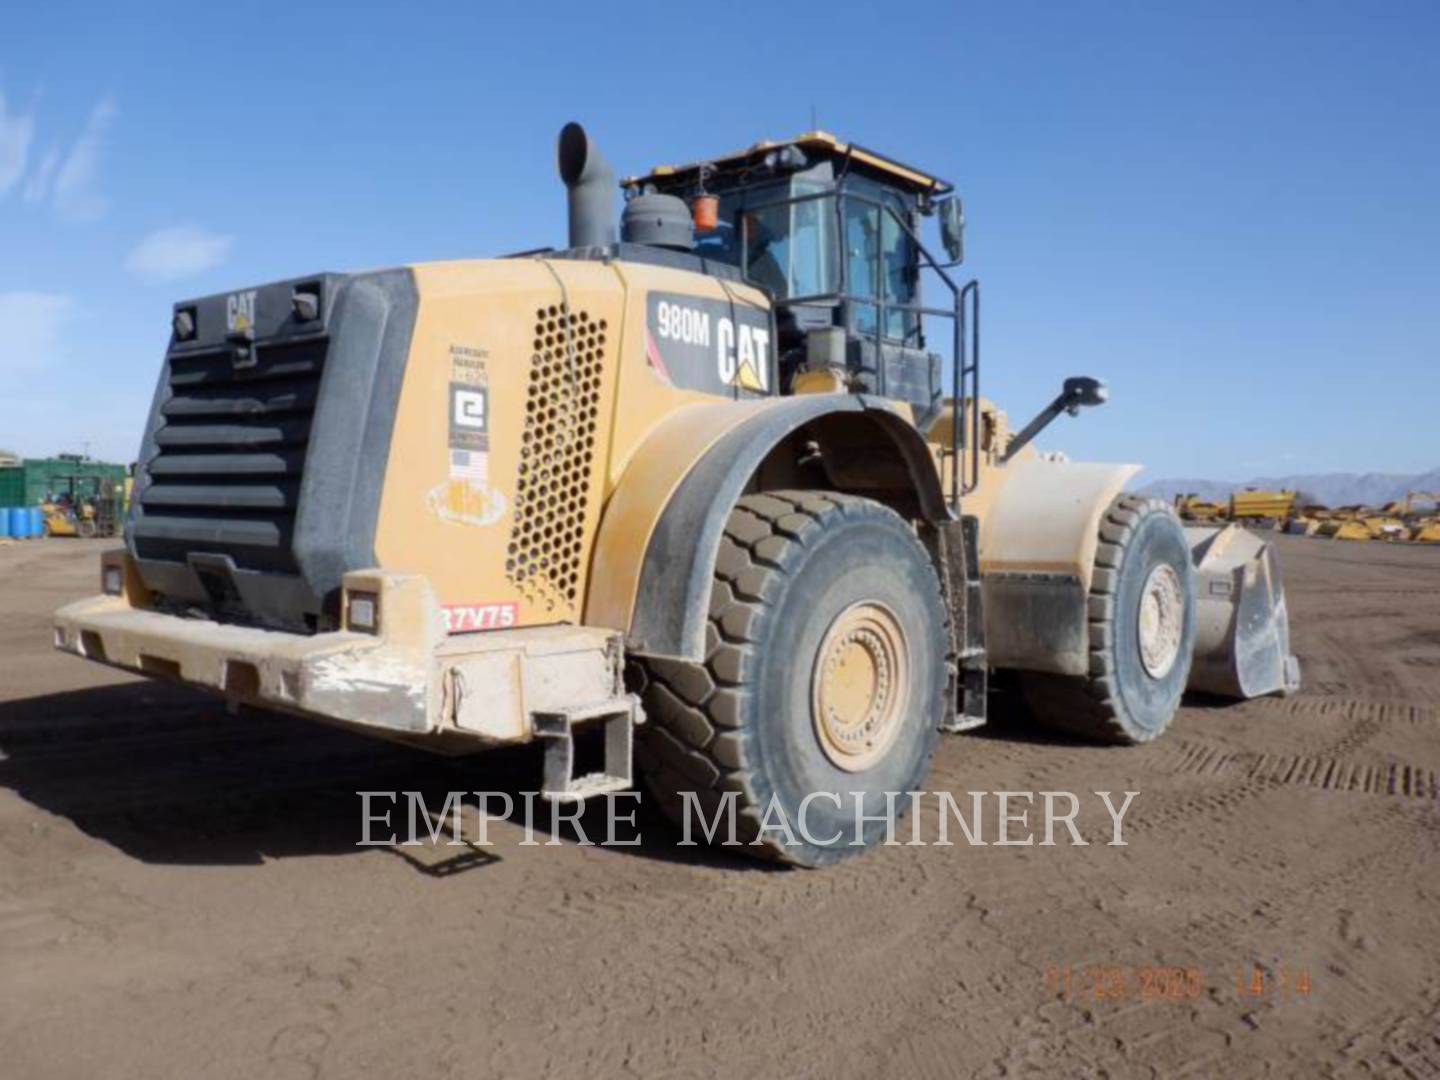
(879,256)
(791,248)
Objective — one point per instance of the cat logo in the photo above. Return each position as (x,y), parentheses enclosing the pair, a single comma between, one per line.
(240,312)
(748,378)
(714,346)
(742,355)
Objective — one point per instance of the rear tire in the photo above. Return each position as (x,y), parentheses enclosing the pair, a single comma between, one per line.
(1141,628)
(824,672)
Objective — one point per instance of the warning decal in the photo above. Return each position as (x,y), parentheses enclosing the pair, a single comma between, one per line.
(465,497)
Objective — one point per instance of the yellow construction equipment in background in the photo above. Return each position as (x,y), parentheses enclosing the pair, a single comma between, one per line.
(1407,505)
(1192,507)
(1269,508)
(1343,528)
(85,505)
(1385,527)
(65,519)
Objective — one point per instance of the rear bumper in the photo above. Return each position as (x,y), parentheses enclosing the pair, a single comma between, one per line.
(346,676)
(412,681)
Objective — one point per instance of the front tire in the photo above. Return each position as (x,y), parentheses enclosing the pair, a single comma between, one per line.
(1141,628)
(824,673)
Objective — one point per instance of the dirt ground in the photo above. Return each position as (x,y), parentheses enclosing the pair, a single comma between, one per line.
(181,894)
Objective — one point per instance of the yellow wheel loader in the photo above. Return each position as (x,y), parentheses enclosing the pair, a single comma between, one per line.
(719,491)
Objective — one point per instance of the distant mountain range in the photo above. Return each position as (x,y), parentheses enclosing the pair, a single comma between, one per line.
(1328,489)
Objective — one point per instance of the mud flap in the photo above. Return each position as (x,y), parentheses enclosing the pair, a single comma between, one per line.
(1242,628)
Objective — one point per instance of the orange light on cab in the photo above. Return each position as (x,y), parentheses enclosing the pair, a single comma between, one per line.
(706,211)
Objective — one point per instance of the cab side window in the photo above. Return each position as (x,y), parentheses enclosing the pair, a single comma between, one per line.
(879,258)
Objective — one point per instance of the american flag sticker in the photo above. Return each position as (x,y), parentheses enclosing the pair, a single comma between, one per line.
(473,465)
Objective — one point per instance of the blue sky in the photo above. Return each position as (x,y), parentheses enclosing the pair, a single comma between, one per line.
(1229,211)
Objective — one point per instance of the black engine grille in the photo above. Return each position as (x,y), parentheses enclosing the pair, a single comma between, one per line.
(230,454)
(259,479)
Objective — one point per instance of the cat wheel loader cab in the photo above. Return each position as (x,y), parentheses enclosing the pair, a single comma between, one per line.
(694,486)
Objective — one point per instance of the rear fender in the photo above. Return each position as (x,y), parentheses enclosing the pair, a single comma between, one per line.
(660,532)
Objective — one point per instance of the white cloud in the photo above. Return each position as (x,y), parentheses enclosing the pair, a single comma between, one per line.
(16,132)
(32,325)
(174,253)
(77,180)
(37,185)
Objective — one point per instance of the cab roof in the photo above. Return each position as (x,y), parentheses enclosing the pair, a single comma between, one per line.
(820,143)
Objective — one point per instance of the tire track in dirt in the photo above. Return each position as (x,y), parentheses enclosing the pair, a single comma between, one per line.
(1326,772)
(1244,929)
(1195,1041)
(1403,1041)
(1389,1008)
(682,969)
(1359,710)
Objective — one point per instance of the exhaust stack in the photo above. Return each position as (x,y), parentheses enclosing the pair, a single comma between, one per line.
(590,182)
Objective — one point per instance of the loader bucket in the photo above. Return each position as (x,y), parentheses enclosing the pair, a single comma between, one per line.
(1242,630)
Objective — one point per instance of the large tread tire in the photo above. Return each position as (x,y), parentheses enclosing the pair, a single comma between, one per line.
(1119,701)
(736,722)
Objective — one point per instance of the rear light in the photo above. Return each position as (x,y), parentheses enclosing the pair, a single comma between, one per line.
(183,323)
(306,303)
(112,579)
(362,612)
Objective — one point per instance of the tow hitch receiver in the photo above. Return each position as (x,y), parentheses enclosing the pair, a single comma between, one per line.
(617,719)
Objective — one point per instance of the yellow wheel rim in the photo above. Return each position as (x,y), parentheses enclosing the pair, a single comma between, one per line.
(1162,621)
(860,686)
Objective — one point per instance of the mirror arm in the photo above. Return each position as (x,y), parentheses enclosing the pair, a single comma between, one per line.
(1042,420)
(1069,400)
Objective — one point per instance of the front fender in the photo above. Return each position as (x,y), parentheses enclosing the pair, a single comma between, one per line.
(1037,555)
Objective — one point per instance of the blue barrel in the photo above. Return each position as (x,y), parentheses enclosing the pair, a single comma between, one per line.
(19,522)
(4,521)
(37,521)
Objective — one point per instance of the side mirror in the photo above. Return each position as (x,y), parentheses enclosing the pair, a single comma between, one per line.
(1081,391)
(952,228)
